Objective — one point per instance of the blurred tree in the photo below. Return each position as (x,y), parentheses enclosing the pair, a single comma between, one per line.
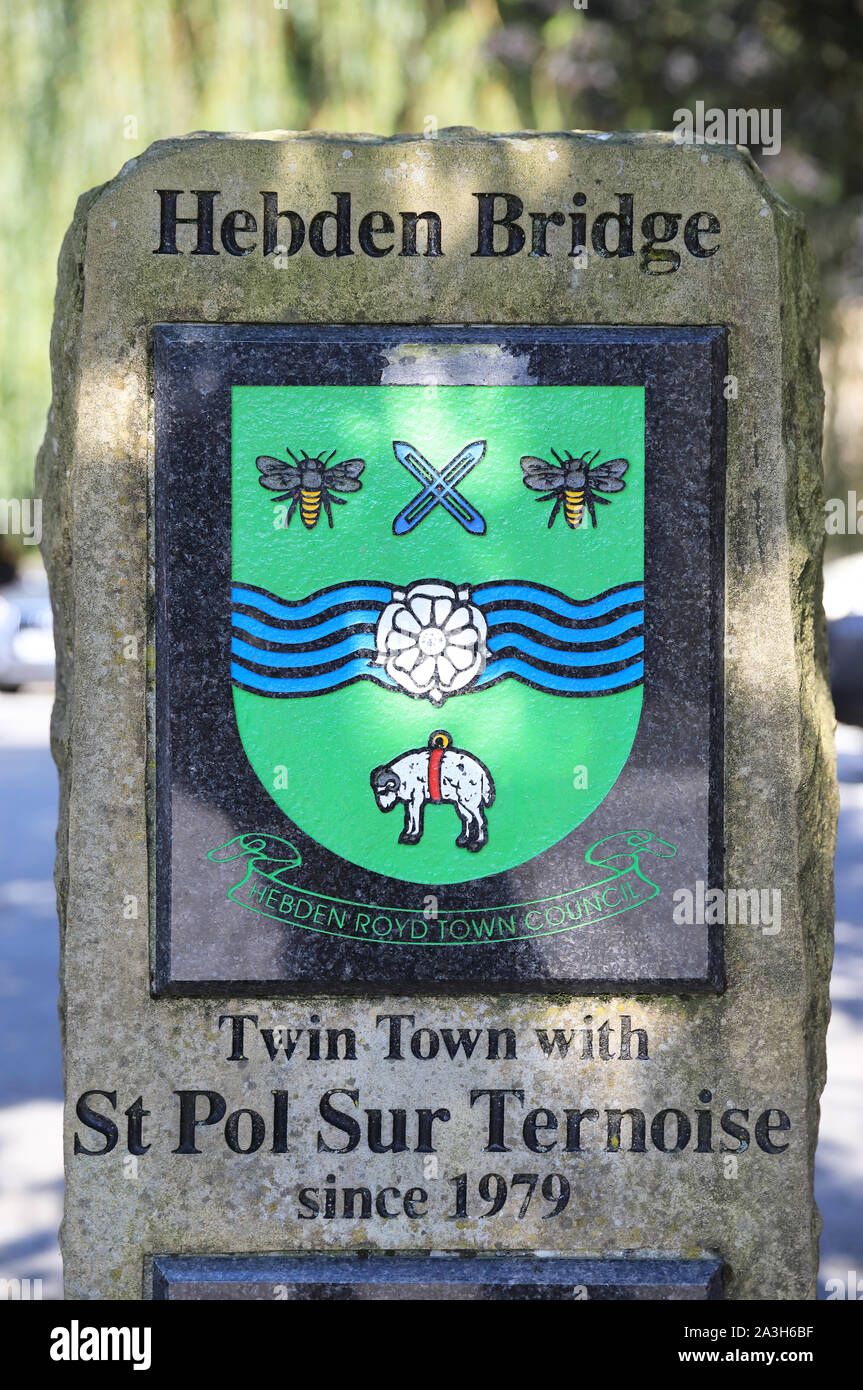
(88,84)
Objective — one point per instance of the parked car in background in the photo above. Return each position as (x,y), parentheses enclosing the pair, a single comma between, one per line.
(26,631)
(843,604)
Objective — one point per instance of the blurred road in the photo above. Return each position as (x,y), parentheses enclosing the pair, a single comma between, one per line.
(31,1160)
(839,1161)
(31,1169)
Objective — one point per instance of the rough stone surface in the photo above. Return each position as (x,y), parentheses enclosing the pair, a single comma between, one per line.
(759,1045)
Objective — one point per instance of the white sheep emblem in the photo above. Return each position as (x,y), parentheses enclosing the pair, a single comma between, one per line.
(437,775)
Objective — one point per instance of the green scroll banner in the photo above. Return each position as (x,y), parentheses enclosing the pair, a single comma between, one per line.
(271,861)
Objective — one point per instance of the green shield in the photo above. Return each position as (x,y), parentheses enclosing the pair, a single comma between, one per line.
(325,606)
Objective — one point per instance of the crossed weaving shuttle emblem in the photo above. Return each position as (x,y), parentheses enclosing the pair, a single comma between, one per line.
(439,488)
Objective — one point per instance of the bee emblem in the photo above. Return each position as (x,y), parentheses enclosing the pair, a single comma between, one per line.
(310,482)
(574,483)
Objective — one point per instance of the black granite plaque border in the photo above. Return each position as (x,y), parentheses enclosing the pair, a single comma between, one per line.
(490,1278)
(195,366)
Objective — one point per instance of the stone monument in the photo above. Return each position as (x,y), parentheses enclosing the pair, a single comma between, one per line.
(447,812)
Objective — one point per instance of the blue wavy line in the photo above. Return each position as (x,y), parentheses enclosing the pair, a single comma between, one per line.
(290,641)
(309,685)
(556,603)
(350,593)
(507,617)
(361,642)
(571,659)
(524,671)
(354,669)
(289,637)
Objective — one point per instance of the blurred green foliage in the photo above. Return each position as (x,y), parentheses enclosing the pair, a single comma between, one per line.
(88,84)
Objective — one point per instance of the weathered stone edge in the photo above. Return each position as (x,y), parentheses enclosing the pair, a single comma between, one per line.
(54,470)
(738,155)
(817,794)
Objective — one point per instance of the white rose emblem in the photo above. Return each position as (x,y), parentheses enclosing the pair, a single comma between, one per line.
(431,640)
